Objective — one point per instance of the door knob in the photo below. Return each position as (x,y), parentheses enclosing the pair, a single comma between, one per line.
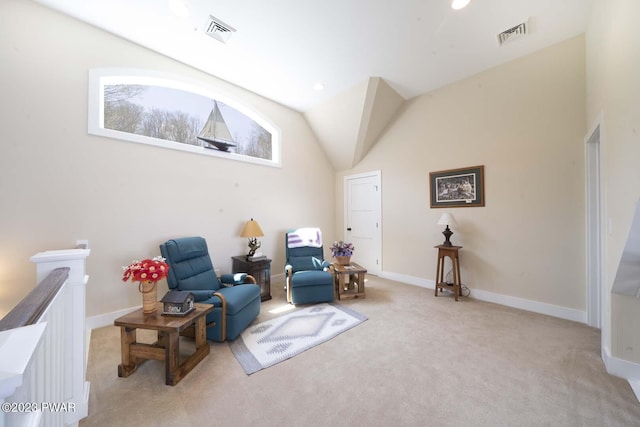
(348,228)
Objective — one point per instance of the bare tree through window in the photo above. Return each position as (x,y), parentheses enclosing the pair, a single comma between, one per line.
(185,117)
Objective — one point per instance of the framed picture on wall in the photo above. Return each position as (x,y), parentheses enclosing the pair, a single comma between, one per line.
(457,188)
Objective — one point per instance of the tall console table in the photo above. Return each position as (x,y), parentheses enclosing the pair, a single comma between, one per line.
(441,282)
(260,269)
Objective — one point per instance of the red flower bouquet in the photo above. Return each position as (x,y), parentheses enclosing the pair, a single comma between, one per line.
(147,270)
(147,273)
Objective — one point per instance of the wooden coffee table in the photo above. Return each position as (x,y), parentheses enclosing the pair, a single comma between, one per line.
(349,280)
(167,347)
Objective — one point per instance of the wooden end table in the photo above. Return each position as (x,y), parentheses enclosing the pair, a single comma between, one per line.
(353,286)
(260,270)
(167,347)
(441,283)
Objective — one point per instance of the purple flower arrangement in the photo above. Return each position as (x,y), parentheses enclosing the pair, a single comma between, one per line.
(342,249)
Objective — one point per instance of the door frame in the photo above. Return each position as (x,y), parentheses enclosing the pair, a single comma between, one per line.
(378,177)
(594,224)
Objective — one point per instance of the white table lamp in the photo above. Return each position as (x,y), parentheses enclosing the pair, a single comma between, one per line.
(447,219)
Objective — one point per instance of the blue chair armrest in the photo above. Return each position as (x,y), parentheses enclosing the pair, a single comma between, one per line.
(201,295)
(233,279)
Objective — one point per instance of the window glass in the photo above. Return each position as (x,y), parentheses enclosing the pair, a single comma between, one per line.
(177,115)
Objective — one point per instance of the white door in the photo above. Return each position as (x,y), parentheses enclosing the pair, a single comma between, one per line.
(362,219)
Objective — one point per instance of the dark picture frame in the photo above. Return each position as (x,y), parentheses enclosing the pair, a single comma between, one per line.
(457,188)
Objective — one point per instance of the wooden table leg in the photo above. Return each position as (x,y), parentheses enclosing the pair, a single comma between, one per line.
(128,365)
(175,371)
(360,279)
(201,332)
(172,357)
(341,284)
(439,272)
(458,280)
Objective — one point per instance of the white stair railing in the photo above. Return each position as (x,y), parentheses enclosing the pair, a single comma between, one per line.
(43,346)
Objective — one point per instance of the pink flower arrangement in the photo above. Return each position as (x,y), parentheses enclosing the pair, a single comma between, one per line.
(147,270)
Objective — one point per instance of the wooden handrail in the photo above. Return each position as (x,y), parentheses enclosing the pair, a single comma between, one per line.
(31,307)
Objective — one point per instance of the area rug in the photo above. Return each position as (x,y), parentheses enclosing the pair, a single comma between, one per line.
(281,338)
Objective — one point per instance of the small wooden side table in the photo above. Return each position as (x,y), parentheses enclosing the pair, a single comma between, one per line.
(441,283)
(354,286)
(167,347)
(260,270)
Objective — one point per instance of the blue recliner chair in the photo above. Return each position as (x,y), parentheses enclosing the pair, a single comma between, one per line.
(191,270)
(307,277)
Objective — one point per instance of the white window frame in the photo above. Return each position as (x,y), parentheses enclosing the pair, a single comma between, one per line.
(101,77)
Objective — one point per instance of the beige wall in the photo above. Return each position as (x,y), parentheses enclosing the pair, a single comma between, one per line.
(336,122)
(613,101)
(525,122)
(59,184)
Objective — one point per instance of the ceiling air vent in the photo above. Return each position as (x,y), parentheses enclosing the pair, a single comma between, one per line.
(218,29)
(513,33)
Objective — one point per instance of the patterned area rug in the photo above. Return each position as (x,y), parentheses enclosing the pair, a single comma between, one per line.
(279,339)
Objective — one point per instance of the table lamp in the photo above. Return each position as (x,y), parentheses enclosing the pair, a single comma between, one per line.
(447,219)
(252,231)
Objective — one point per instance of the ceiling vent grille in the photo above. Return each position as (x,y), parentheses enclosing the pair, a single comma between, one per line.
(513,33)
(218,29)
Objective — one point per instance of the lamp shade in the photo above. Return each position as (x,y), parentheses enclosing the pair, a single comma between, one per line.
(251,229)
(447,219)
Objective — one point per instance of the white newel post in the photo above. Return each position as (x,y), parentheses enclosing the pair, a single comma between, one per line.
(17,347)
(77,390)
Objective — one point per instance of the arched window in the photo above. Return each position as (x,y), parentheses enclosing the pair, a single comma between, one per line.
(151,108)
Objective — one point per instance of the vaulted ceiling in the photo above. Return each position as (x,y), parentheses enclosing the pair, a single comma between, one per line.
(371,54)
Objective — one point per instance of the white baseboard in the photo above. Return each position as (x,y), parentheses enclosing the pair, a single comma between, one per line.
(623,369)
(509,301)
(107,319)
(529,305)
(410,280)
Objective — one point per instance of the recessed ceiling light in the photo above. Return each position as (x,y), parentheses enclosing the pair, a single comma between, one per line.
(459,4)
(179,8)
(318,86)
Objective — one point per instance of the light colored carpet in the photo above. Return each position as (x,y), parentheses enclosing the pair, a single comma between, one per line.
(418,361)
(276,340)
